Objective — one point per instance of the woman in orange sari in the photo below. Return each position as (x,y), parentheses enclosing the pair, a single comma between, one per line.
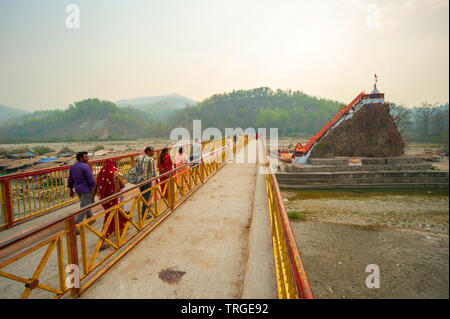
(165,165)
(181,160)
(110,182)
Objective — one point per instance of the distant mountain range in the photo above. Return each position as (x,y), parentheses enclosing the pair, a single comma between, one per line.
(294,113)
(8,113)
(175,100)
(161,108)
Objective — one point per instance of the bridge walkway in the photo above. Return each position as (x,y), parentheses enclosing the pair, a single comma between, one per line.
(202,250)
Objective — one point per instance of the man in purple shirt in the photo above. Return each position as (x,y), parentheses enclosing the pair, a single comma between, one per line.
(80,177)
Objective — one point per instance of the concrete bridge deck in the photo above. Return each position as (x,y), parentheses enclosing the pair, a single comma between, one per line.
(217,244)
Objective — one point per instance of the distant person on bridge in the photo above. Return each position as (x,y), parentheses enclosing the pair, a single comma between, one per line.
(180,160)
(149,171)
(80,177)
(165,165)
(109,181)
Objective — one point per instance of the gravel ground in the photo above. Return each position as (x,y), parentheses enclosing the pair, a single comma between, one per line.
(411,264)
(421,213)
(405,235)
(118,146)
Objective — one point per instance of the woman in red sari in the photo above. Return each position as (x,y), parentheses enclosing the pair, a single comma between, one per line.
(110,182)
(165,165)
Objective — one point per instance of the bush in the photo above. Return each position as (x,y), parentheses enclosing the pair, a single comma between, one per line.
(20,149)
(40,150)
(98,148)
(65,149)
(297,215)
(3,151)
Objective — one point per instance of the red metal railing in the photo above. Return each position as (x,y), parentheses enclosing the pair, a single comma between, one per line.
(25,195)
(83,251)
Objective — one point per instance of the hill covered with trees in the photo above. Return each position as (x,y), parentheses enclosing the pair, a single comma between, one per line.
(424,123)
(90,119)
(292,112)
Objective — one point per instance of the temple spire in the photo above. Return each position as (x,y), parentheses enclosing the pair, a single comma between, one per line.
(375,90)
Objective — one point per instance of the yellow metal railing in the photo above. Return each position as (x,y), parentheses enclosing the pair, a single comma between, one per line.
(25,195)
(84,252)
(292,282)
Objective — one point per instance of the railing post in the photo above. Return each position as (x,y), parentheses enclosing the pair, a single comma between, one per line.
(202,171)
(171,190)
(223,150)
(7,214)
(72,251)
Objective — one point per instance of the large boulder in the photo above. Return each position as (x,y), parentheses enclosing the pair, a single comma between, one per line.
(371,132)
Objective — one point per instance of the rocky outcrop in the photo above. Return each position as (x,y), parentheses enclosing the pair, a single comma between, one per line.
(371,132)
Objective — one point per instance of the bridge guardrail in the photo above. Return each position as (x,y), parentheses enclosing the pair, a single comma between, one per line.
(25,195)
(84,251)
(292,281)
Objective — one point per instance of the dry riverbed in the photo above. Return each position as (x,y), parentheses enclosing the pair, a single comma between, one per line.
(421,210)
(404,232)
(117,146)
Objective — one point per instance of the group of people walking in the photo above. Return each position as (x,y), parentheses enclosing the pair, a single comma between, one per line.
(110,181)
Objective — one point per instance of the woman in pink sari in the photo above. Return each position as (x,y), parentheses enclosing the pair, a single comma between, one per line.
(181,160)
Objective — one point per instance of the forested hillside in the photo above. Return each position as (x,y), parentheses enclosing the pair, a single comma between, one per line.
(425,123)
(87,119)
(292,112)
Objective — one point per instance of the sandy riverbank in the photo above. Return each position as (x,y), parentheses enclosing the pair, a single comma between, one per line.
(117,146)
(404,232)
(412,264)
(420,210)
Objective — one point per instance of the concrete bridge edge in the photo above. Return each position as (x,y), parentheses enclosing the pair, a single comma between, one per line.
(260,276)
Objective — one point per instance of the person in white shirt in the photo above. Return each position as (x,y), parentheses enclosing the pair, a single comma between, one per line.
(196,152)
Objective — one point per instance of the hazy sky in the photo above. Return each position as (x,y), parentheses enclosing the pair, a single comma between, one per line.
(133,48)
